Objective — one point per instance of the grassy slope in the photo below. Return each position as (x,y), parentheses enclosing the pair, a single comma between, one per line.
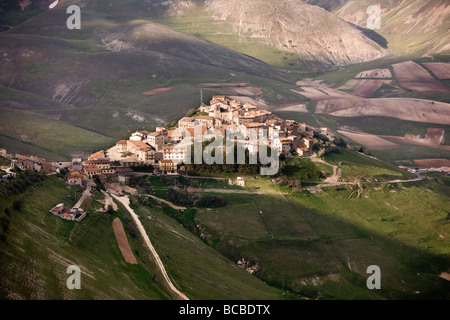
(56,137)
(41,246)
(199,271)
(106,87)
(355,165)
(320,245)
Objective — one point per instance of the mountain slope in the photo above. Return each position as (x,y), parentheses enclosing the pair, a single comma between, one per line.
(97,75)
(328,5)
(292,26)
(410,26)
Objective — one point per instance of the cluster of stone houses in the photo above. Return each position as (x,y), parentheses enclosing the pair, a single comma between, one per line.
(74,214)
(165,150)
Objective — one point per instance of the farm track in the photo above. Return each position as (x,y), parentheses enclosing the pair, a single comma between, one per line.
(176,293)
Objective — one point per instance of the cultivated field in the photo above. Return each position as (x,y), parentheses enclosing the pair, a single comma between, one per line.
(369,87)
(322,93)
(440,69)
(245,99)
(122,241)
(433,138)
(246,91)
(370,141)
(219,84)
(401,108)
(352,84)
(412,76)
(375,73)
(158,91)
(432,163)
(299,107)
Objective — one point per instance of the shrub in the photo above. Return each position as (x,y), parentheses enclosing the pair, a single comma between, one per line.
(17,204)
(209,201)
(4,222)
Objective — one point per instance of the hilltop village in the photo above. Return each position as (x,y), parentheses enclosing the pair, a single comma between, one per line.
(161,149)
(164,150)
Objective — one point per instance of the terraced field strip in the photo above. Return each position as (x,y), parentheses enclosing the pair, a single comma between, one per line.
(123,243)
(419,110)
(369,87)
(177,293)
(441,70)
(412,76)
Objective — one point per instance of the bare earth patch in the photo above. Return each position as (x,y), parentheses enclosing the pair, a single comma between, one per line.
(245,99)
(445,275)
(440,69)
(308,82)
(352,84)
(158,91)
(122,240)
(369,87)
(295,107)
(433,138)
(433,163)
(412,76)
(375,73)
(401,108)
(246,91)
(370,141)
(323,93)
(218,84)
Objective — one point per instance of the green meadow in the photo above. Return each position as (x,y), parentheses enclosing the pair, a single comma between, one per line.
(319,246)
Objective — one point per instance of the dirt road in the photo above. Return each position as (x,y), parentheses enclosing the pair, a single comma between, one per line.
(176,293)
(174,206)
(237,191)
(336,177)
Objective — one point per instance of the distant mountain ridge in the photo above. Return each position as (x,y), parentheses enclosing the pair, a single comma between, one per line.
(293,26)
(419,26)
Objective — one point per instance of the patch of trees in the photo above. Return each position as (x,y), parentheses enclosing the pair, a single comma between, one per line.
(323,146)
(301,169)
(362,150)
(129,227)
(143,168)
(185,198)
(170,125)
(180,181)
(4,224)
(180,196)
(141,181)
(210,201)
(98,183)
(23,180)
(246,168)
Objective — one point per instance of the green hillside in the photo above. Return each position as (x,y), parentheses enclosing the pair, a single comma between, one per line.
(38,247)
(320,245)
(95,78)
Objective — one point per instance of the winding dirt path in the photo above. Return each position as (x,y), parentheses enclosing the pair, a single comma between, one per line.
(174,206)
(336,171)
(177,293)
(335,179)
